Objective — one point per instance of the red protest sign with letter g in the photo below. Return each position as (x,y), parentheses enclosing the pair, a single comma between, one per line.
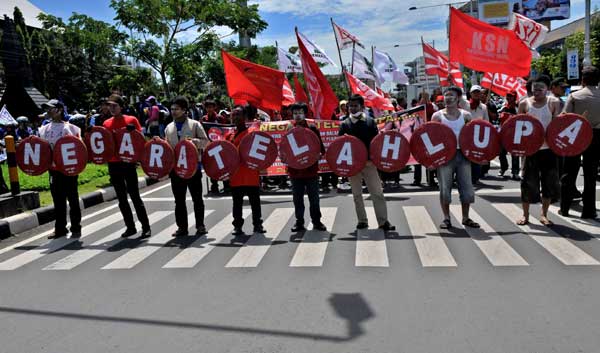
(433,144)
(479,141)
(70,155)
(299,148)
(390,151)
(157,160)
(522,135)
(186,159)
(346,156)
(129,145)
(569,135)
(257,150)
(34,155)
(220,159)
(100,145)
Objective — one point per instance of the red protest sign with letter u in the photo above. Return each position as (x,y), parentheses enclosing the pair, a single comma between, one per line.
(390,151)
(299,148)
(569,134)
(157,160)
(34,155)
(522,135)
(433,144)
(100,145)
(220,159)
(346,156)
(257,150)
(479,141)
(70,155)
(186,159)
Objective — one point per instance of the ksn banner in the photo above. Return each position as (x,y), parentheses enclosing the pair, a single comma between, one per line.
(268,145)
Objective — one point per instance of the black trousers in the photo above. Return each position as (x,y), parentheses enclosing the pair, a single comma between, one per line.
(253,193)
(591,160)
(124,179)
(311,187)
(329,179)
(429,175)
(180,187)
(514,162)
(63,188)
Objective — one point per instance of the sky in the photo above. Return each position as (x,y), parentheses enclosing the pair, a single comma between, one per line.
(379,23)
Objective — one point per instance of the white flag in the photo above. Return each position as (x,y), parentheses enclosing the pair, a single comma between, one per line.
(387,69)
(5,117)
(288,62)
(317,53)
(529,31)
(363,68)
(344,38)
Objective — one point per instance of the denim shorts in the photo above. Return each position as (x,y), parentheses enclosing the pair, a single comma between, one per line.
(461,167)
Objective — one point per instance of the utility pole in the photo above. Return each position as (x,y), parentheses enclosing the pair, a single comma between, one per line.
(587,60)
(244,38)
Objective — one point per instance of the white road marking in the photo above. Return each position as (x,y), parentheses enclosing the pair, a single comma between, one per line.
(311,251)
(431,247)
(371,250)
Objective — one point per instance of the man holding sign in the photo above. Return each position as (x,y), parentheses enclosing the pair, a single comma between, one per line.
(62,187)
(541,168)
(183,127)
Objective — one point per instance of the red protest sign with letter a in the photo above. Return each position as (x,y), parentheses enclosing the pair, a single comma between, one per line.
(157,160)
(433,144)
(100,145)
(522,135)
(70,155)
(346,156)
(299,148)
(483,47)
(257,150)
(479,141)
(186,159)
(220,160)
(390,151)
(129,145)
(34,155)
(569,135)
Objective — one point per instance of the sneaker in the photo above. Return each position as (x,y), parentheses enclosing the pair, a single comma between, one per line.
(259,229)
(129,232)
(146,233)
(180,233)
(298,227)
(362,225)
(237,232)
(319,226)
(201,230)
(387,226)
(501,173)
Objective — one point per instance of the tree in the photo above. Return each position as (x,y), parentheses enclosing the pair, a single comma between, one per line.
(159,27)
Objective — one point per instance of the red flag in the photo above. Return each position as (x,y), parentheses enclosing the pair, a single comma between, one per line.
(288,94)
(437,63)
(300,94)
(501,84)
(483,47)
(372,98)
(256,84)
(323,99)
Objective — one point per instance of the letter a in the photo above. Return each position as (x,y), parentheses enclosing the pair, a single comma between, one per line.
(345,154)
(572,131)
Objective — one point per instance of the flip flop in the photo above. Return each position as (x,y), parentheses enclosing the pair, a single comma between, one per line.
(522,222)
(547,222)
(446,224)
(470,223)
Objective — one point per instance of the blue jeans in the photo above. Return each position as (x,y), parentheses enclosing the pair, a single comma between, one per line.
(460,166)
(311,186)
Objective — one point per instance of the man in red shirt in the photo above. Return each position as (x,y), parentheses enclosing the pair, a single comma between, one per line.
(245,181)
(123,176)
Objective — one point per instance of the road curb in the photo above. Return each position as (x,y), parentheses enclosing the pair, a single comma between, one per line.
(31,219)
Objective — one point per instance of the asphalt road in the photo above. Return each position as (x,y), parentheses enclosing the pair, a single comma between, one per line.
(419,289)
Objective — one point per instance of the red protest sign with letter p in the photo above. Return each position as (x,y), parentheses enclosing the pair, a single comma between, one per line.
(100,145)
(433,144)
(34,155)
(479,141)
(157,160)
(299,148)
(346,156)
(390,151)
(220,159)
(569,135)
(129,145)
(522,135)
(186,159)
(257,150)
(70,155)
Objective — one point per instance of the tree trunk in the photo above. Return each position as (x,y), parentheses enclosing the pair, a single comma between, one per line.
(163,77)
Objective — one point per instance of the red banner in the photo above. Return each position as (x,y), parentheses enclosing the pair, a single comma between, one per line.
(372,98)
(501,84)
(300,94)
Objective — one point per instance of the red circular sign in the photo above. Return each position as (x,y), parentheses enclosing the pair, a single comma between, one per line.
(522,135)
(157,160)
(390,151)
(215,134)
(300,148)
(433,144)
(258,150)
(34,155)
(346,156)
(129,145)
(569,134)
(186,159)
(479,141)
(220,159)
(100,145)
(70,155)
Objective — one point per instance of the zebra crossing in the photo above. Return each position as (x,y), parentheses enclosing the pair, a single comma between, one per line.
(372,246)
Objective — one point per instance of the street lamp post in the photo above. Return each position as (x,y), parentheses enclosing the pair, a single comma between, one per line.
(587,60)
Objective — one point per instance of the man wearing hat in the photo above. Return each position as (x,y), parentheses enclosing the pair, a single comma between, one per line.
(123,176)
(62,187)
(558,87)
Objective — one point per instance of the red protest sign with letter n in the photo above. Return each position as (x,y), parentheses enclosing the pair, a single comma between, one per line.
(34,155)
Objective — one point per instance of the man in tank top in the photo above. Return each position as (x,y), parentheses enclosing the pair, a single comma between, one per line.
(541,168)
(455,118)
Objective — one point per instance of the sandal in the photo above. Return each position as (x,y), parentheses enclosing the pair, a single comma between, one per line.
(470,223)
(446,224)
(545,221)
(523,221)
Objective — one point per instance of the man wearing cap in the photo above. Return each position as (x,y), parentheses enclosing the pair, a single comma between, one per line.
(123,176)
(586,102)
(557,87)
(62,187)
(184,127)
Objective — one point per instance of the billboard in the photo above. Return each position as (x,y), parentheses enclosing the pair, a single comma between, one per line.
(498,12)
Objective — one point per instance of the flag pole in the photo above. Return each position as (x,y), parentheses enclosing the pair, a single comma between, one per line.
(345,80)
(373,63)
(352,66)
(426,76)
